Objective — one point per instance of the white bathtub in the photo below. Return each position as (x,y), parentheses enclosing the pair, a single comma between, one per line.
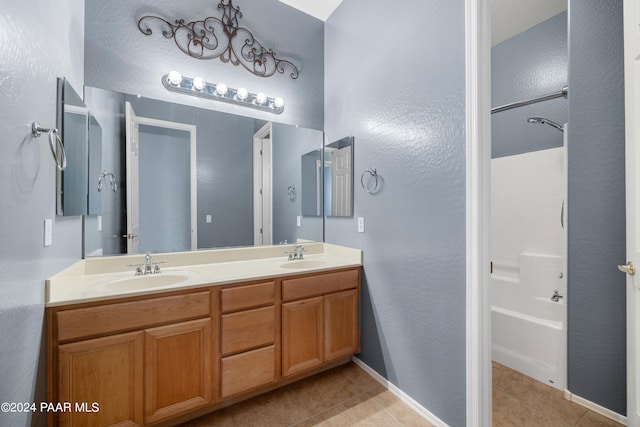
(529,333)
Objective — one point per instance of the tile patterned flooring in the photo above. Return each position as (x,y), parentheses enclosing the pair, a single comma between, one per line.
(348,396)
(522,401)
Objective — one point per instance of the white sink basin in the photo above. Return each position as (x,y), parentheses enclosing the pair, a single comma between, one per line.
(145,282)
(304,263)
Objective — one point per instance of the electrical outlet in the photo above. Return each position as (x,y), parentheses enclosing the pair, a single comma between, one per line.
(360,224)
(298,220)
(99,222)
(208,219)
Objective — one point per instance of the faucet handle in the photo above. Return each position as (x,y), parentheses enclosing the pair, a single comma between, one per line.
(156,269)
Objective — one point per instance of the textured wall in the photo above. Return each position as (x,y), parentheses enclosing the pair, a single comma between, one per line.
(35,42)
(526,66)
(395,79)
(119,57)
(597,367)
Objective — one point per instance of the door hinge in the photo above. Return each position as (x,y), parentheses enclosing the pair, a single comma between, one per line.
(261,191)
(261,231)
(261,151)
(491,267)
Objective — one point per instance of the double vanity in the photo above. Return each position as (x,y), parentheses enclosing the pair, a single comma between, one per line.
(210,329)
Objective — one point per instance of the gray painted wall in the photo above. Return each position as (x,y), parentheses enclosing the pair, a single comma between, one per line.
(395,80)
(596,311)
(40,42)
(526,66)
(119,57)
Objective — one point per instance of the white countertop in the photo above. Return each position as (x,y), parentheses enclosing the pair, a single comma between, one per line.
(103,278)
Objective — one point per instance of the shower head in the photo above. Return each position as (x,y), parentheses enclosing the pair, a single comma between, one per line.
(544,121)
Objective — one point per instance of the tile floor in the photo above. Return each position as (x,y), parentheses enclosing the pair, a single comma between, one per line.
(522,401)
(343,396)
(348,396)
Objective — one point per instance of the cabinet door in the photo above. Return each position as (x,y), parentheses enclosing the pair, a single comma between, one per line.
(301,335)
(341,332)
(107,371)
(178,364)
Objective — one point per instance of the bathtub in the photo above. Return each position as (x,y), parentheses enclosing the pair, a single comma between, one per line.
(529,332)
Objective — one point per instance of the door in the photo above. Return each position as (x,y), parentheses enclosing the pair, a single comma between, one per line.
(632,162)
(133,214)
(341,335)
(161,185)
(302,336)
(107,371)
(178,367)
(262,184)
(341,182)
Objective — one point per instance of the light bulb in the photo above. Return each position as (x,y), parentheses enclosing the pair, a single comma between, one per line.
(261,98)
(198,83)
(174,78)
(278,102)
(221,89)
(242,94)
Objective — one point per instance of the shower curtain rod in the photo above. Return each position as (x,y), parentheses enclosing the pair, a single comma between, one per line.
(561,94)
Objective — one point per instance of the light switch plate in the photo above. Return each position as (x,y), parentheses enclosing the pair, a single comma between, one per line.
(207,219)
(48,232)
(99,222)
(360,224)
(298,220)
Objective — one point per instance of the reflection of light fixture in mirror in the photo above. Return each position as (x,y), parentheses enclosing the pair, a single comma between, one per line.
(197,86)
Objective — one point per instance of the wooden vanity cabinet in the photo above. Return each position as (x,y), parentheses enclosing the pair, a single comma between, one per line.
(141,360)
(159,360)
(319,320)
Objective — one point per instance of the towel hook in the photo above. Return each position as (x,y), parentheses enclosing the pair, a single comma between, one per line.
(373,174)
(54,143)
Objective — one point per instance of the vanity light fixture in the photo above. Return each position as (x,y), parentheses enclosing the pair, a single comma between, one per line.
(197,86)
(224,38)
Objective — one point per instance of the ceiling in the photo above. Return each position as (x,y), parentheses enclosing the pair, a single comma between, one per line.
(320,9)
(511,17)
(508,17)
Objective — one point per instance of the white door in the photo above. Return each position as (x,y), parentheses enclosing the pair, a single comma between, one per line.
(179,225)
(341,182)
(133,204)
(262,187)
(632,165)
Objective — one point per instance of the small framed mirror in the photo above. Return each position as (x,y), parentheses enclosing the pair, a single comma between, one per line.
(82,138)
(338,178)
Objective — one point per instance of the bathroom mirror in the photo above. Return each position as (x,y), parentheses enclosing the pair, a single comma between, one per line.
(338,172)
(312,183)
(219,199)
(82,139)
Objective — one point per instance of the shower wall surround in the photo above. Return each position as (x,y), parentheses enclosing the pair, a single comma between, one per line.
(413,291)
(596,316)
(40,41)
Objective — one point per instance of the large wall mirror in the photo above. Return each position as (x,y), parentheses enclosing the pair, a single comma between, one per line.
(192,178)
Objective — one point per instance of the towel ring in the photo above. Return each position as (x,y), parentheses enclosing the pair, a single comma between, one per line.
(373,174)
(291,193)
(112,181)
(54,139)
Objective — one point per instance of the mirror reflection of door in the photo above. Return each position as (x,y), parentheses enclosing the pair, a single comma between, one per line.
(341,182)
(161,185)
(262,187)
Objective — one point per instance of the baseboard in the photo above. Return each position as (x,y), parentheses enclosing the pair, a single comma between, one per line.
(595,407)
(421,410)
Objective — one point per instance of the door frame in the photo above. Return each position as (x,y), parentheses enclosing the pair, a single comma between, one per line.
(478,188)
(139,120)
(259,217)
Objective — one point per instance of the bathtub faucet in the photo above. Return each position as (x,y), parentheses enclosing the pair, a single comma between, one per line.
(556,296)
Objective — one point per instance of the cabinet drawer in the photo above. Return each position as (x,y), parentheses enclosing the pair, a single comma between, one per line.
(321,284)
(248,370)
(248,329)
(250,296)
(110,318)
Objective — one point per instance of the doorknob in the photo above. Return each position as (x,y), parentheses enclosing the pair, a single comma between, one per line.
(629,268)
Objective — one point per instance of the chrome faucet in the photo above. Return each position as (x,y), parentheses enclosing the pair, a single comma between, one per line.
(556,296)
(297,253)
(147,266)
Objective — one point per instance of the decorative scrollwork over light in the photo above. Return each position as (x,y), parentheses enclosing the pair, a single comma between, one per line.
(224,38)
